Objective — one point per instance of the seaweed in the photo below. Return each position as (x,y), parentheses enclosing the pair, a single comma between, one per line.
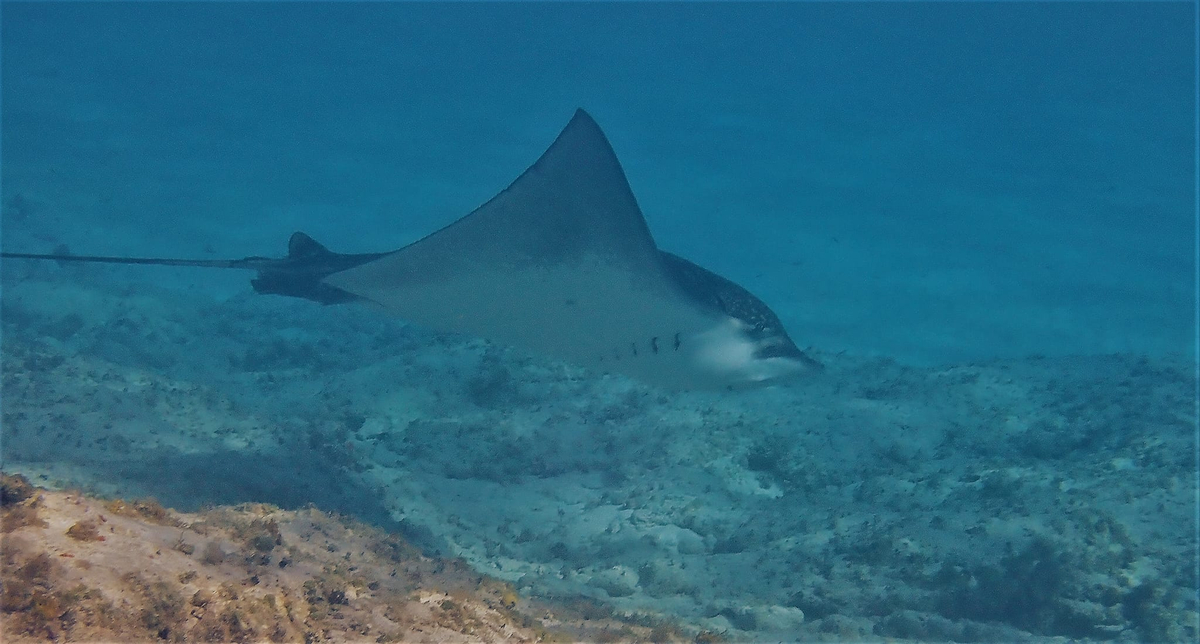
(85,530)
(23,582)
(18,503)
(711,637)
(14,488)
(492,386)
(1147,606)
(608,635)
(396,548)
(183,546)
(1026,590)
(665,632)
(212,555)
(19,516)
(148,508)
(28,594)
(814,606)
(261,533)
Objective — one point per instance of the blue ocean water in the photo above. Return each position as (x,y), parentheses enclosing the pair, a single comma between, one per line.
(941,185)
(930,183)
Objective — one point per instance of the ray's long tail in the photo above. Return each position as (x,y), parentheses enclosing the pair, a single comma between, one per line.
(300,274)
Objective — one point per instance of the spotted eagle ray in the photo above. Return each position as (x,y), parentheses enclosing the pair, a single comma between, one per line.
(560,263)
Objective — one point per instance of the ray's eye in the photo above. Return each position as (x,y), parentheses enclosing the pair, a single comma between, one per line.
(759,332)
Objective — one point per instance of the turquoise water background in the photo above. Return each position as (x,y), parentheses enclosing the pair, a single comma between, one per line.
(980,217)
(930,182)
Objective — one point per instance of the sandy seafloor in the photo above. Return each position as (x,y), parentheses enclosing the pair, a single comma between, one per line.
(1001,447)
(1010,500)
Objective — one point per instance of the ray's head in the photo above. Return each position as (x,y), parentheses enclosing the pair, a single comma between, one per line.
(744,355)
(746,345)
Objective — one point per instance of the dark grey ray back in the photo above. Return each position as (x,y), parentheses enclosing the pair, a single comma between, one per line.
(706,288)
(561,262)
(574,200)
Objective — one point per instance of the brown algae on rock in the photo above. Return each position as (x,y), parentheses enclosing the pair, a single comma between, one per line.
(85,530)
(94,570)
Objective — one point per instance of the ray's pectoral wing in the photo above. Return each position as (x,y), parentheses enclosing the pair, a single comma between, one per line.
(560,262)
